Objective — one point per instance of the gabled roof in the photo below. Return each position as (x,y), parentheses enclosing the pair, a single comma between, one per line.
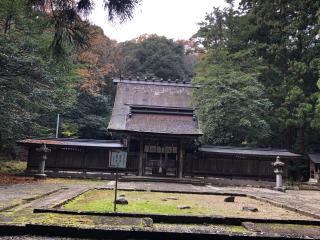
(72,142)
(156,107)
(247,151)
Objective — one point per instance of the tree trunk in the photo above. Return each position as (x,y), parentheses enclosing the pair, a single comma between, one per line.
(301,139)
(7,24)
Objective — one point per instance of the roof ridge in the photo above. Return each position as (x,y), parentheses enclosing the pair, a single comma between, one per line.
(176,83)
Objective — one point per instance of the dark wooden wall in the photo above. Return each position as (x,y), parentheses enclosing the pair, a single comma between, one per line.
(195,164)
(80,159)
(208,164)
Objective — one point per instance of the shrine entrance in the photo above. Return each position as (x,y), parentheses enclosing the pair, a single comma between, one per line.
(161,159)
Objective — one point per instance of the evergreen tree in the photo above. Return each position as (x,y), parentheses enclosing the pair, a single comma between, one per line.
(67,18)
(279,43)
(287,33)
(153,56)
(34,87)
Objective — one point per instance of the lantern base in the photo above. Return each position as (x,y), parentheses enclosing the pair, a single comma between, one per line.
(281,189)
(40,176)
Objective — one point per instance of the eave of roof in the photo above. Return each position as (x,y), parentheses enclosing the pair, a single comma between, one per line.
(314,157)
(163,134)
(162,123)
(267,152)
(67,142)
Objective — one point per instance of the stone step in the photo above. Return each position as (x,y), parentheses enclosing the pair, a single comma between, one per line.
(161,179)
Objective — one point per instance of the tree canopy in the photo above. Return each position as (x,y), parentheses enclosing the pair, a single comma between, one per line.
(66,17)
(153,56)
(277,44)
(35,85)
(231,103)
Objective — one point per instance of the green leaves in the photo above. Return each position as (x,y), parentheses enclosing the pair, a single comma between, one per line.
(33,87)
(69,26)
(91,114)
(230,103)
(275,46)
(154,56)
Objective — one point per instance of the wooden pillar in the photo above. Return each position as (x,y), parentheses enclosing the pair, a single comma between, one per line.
(141,152)
(232,166)
(55,158)
(181,160)
(83,161)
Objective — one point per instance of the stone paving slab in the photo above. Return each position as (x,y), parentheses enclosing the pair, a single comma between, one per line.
(15,194)
(52,200)
(62,197)
(160,186)
(307,201)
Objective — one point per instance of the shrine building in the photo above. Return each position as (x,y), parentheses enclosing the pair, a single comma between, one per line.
(155,122)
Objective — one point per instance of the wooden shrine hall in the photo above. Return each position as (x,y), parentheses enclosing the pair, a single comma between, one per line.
(158,127)
(158,123)
(314,167)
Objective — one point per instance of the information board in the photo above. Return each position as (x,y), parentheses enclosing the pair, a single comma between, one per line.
(118,159)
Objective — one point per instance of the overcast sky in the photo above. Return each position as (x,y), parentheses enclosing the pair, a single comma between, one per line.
(175,19)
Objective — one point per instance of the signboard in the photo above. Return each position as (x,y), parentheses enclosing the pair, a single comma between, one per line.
(118,159)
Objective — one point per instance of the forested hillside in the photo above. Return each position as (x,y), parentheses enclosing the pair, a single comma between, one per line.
(35,86)
(260,72)
(53,61)
(43,73)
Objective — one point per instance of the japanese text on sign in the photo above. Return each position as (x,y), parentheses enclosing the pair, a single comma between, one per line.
(118,159)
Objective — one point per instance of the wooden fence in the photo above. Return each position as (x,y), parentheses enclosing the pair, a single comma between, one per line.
(77,159)
(208,164)
(195,164)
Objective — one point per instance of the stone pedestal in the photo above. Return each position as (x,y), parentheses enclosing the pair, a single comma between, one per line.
(40,176)
(42,163)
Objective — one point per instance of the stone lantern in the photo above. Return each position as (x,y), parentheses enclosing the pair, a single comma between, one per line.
(44,150)
(278,170)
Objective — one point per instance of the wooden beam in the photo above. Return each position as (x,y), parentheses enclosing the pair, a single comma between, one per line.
(181,160)
(141,152)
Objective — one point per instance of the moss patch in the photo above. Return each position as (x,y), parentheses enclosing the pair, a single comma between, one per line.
(55,219)
(12,167)
(238,229)
(160,203)
(102,201)
(76,181)
(203,228)
(290,229)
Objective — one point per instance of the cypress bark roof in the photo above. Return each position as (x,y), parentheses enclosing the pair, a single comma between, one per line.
(154,107)
(71,142)
(247,151)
